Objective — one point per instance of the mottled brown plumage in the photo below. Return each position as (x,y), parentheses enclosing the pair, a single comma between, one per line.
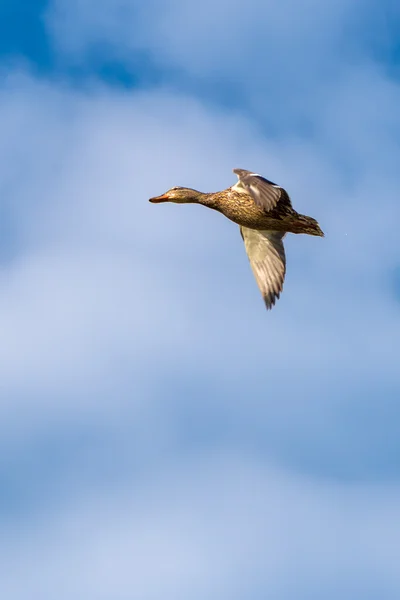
(265,214)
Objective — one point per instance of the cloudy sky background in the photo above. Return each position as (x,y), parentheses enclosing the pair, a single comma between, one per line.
(163,437)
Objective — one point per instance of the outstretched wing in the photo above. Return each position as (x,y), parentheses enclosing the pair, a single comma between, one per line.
(265,193)
(267,259)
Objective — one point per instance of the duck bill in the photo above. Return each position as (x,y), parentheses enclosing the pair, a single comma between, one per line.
(163,198)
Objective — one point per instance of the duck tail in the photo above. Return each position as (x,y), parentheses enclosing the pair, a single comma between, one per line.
(308,225)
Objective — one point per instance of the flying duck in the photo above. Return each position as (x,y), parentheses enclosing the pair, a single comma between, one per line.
(264,213)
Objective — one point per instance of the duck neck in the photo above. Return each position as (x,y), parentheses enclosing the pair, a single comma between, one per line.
(208,199)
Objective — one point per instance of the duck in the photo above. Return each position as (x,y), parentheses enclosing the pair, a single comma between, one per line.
(264,212)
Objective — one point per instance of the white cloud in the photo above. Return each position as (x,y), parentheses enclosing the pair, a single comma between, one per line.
(102,283)
(221,525)
(208,38)
(142,326)
(283,60)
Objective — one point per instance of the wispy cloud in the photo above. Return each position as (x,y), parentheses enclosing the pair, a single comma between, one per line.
(136,350)
(222,524)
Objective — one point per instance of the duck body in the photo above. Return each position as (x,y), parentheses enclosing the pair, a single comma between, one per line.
(264,212)
(240,208)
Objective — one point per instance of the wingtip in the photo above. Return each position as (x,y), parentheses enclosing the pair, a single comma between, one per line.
(270,301)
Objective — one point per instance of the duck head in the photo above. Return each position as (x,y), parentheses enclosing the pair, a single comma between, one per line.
(180,195)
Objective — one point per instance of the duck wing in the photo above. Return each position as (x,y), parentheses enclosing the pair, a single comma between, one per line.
(265,193)
(268,262)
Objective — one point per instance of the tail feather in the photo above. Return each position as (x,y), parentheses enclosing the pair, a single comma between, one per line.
(308,225)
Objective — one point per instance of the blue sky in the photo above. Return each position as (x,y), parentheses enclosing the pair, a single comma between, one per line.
(162,435)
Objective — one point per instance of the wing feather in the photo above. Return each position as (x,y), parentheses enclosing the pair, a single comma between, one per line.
(265,193)
(267,259)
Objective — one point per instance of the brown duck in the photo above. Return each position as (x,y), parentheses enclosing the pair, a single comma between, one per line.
(264,212)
